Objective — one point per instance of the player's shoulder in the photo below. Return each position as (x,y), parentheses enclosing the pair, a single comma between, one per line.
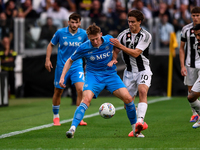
(187,27)
(145,33)
(123,32)
(108,36)
(82,31)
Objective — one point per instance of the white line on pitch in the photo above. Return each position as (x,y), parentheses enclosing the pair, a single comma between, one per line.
(69,120)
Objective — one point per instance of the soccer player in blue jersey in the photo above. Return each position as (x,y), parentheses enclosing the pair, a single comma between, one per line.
(69,38)
(97,52)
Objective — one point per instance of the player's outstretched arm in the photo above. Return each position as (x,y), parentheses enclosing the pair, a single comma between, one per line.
(48,64)
(127,50)
(65,70)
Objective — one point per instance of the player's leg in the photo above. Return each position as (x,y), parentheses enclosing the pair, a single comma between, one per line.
(77,78)
(56,105)
(57,95)
(142,105)
(193,99)
(80,111)
(79,90)
(92,87)
(189,80)
(194,116)
(124,95)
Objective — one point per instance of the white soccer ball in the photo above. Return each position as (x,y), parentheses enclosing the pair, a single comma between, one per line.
(107,110)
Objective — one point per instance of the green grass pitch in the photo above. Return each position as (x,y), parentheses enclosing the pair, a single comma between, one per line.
(26,124)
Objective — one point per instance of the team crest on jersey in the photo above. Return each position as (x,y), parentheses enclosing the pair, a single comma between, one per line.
(129,35)
(107,48)
(79,38)
(92,58)
(192,31)
(65,43)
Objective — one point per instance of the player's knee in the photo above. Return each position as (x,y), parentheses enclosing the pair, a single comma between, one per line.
(86,100)
(79,91)
(142,92)
(128,99)
(191,98)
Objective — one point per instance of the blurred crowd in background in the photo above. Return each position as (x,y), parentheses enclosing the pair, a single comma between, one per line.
(111,15)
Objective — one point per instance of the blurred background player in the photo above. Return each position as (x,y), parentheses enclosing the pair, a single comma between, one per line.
(134,43)
(188,55)
(98,52)
(69,39)
(195,91)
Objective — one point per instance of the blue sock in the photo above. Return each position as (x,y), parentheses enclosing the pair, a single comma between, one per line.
(79,114)
(55,109)
(131,112)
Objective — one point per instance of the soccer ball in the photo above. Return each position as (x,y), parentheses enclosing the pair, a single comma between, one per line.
(107,110)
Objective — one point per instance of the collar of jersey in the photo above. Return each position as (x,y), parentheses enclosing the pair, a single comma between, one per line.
(67,30)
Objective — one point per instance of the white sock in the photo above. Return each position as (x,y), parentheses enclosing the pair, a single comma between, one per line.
(73,128)
(141,111)
(196,106)
(133,127)
(56,116)
(193,110)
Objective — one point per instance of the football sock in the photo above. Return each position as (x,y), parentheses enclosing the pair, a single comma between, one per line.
(141,111)
(193,110)
(196,105)
(79,114)
(133,127)
(55,111)
(131,112)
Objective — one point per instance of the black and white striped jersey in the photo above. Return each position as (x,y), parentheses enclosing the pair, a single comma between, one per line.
(142,41)
(192,48)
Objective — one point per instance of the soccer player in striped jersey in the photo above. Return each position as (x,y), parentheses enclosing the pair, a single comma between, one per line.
(97,52)
(134,43)
(189,55)
(195,91)
(69,39)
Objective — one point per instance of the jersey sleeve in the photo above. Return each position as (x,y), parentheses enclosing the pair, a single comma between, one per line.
(183,35)
(144,42)
(77,54)
(55,38)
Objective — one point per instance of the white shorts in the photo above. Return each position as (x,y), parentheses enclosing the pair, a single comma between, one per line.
(192,75)
(196,86)
(133,79)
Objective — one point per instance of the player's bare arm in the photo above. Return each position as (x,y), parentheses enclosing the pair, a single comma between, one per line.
(65,70)
(48,64)
(182,59)
(114,58)
(134,53)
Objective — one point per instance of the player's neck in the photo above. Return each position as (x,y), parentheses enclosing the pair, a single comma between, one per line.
(72,31)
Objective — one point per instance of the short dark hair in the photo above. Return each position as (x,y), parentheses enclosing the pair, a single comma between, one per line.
(197,27)
(75,16)
(195,10)
(93,29)
(137,14)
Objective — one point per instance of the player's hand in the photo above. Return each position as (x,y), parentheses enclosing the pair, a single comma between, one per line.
(61,83)
(48,65)
(114,42)
(183,71)
(110,64)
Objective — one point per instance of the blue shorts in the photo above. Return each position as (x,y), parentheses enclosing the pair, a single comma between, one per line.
(75,75)
(96,83)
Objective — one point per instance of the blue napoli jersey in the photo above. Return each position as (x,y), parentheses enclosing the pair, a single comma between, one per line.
(68,43)
(96,58)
